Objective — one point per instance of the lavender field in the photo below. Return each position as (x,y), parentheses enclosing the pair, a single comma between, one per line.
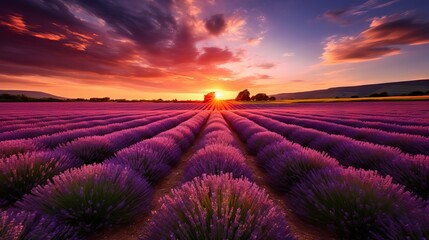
(220,170)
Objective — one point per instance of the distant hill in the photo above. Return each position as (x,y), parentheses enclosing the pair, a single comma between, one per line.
(392,89)
(31,94)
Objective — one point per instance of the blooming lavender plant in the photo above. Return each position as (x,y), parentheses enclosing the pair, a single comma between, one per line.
(91,149)
(180,135)
(261,139)
(218,207)
(288,169)
(92,197)
(217,159)
(410,171)
(413,228)
(150,161)
(22,225)
(351,202)
(165,146)
(271,151)
(349,153)
(14,147)
(218,137)
(20,173)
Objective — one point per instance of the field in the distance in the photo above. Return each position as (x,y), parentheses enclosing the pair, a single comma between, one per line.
(347,170)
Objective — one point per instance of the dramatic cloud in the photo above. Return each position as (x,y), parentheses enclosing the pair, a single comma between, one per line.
(382,38)
(133,43)
(265,65)
(345,16)
(214,55)
(216,24)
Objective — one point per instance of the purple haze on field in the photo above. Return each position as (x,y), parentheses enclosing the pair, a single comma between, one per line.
(218,207)
(351,202)
(20,173)
(92,197)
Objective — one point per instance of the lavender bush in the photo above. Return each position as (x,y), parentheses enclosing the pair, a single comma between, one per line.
(261,139)
(22,225)
(217,159)
(14,147)
(218,207)
(92,197)
(20,173)
(182,136)
(149,160)
(165,146)
(352,203)
(410,171)
(271,151)
(91,149)
(218,137)
(286,170)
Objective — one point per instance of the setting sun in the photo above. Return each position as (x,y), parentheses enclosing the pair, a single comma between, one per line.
(218,95)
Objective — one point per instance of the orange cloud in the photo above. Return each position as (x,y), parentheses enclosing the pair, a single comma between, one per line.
(381,39)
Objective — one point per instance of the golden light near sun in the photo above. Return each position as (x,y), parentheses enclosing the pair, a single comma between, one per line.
(218,95)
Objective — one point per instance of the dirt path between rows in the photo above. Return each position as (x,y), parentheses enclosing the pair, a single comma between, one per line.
(302,230)
(137,228)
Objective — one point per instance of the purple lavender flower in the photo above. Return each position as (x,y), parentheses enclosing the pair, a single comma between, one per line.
(14,147)
(167,148)
(363,155)
(218,207)
(180,136)
(16,225)
(217,159)
(273,150)
(350,202)
(92,197)
(410,171)
(218,137)
(20,173)
(91,149)
(150,160)
(261,139)
(288,169)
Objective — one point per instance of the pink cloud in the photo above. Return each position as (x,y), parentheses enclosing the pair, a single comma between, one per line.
(383,38)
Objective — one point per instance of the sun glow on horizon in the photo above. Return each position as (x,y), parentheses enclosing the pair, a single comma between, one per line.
(218,95)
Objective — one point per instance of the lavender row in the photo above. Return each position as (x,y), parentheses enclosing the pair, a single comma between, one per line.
(32,132)
(217,153)
(417,130)
(407,170)
(408,143)
(21,173)
(11,147)
(214,205)
(212,214)
(20,121)
(386,119)
(153,158)
(353,204)
(95,149)
(75,118)
(96,196)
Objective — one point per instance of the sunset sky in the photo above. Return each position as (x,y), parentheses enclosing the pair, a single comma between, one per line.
(146,49)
